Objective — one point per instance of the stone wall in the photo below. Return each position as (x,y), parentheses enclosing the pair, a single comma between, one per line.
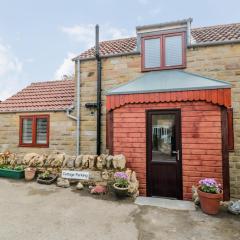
(115,71)
(101,169)
(220,62)
(223,63)
(62,133)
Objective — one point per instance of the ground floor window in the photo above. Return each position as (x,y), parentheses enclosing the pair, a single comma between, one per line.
(34,131)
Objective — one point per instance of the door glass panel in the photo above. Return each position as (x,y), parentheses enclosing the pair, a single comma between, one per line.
(163,138)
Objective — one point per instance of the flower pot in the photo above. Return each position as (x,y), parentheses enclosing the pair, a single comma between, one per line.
(29,173)
(48,180)
(210,202)
(120,192)
(9,173)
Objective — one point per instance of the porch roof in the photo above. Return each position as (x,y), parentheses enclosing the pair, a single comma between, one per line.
(168,81)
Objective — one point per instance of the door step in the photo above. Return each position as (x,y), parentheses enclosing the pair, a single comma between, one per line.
(166,203)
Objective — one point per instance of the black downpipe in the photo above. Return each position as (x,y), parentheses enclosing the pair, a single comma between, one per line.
(99,92)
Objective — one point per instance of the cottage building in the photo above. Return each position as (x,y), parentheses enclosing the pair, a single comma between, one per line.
(36,119)
(167,99)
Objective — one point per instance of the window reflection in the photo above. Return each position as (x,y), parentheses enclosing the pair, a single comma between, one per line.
(163,137)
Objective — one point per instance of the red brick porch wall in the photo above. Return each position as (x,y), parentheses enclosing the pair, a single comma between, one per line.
(201,140)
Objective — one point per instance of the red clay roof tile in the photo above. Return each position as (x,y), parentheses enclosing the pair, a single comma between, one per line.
(227,32)
(112,47)
(218,33)
(41,96)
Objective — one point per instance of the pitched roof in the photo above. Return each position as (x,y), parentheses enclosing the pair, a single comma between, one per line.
(218,33)
(113,47)
(168,81)
(41,96)
(211,34)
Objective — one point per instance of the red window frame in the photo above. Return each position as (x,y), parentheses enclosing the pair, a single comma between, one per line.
(230,129)
(34,130)
(109,131)
(162,38)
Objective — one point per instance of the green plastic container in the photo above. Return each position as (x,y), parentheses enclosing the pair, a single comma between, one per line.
(9,173)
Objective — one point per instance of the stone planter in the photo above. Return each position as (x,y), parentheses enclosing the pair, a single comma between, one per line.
(47,180)
(9,173)
(29,173)
(234,207)
(120,192)
(210,202)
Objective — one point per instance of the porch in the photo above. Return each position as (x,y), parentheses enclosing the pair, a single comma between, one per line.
(193,110)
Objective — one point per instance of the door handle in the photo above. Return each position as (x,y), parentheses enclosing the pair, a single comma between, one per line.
(177,153)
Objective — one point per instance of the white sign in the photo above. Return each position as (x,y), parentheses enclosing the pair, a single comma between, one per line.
(75,174)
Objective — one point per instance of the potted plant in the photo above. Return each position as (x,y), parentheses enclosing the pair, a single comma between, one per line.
(121,184)
(14,172)
(46,178)
(210,195)
(29,173)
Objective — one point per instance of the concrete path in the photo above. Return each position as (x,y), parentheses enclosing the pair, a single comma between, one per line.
(29,211)
(165,203)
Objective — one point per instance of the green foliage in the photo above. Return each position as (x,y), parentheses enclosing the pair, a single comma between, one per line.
(209,185)
(9,167)
(208,189)
(121,179)
(19,168)
(122,183)
(45,175)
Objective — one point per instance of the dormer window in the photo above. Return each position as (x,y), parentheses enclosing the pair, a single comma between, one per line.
(165,51)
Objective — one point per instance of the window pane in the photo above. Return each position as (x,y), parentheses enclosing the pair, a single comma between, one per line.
(173,48)
(27,131)
(152,54)
(163,137)
(41,137)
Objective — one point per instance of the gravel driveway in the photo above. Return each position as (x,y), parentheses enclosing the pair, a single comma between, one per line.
(30,211)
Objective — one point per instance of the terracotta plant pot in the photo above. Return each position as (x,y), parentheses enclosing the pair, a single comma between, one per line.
(210,202)
(29,173)
(120,192)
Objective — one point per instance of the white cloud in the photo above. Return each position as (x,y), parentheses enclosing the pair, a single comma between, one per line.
(8,62)
(85,34)
(10,71)
(80,33)
(66,68)
(110,32)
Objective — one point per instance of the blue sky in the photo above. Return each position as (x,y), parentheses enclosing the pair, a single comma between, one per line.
(38,38)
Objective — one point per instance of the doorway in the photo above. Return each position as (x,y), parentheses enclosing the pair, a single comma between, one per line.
(164,163)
